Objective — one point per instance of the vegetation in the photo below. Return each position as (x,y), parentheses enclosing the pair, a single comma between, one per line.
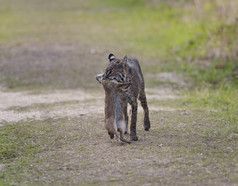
(199,41)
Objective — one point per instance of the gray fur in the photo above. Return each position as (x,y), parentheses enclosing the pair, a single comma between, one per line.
(118,107)
(128,71)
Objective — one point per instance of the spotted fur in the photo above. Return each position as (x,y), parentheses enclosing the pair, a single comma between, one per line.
(127,71)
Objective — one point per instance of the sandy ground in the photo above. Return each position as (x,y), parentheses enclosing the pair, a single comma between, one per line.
(79,103)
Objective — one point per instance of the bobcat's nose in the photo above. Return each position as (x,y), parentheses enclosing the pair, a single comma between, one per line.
(99,78)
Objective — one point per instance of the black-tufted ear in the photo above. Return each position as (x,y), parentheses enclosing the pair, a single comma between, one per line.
(111,57)
(124,60)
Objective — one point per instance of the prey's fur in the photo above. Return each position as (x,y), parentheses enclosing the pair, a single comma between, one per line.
(115,104)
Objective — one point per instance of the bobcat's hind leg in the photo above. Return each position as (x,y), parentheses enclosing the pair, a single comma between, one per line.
(143,101)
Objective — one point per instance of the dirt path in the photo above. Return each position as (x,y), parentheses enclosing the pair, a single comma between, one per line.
(64,103)
(58,138)
(72,104)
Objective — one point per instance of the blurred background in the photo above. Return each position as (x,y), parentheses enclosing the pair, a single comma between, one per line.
(58,44)
(51,106)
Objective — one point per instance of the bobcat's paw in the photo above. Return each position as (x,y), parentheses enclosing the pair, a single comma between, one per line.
(147,125)
(133,138)
(147,128)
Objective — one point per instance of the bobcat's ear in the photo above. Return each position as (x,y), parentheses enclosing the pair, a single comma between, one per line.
(111,57)
(124,60)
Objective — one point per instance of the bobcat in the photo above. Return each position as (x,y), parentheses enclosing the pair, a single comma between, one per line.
(126,74)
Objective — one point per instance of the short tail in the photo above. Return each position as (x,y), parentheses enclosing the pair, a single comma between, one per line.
(122,136)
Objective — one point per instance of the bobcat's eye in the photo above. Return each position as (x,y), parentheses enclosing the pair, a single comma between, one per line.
(108,73)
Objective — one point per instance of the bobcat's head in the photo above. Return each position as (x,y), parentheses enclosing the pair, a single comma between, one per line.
(116,70)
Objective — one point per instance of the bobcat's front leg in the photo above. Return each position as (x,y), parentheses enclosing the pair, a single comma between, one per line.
(133,136)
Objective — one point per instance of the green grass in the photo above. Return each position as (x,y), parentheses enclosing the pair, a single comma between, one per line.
(164,37)
(24,139)
(223,101)
(21,142)
(126,25)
